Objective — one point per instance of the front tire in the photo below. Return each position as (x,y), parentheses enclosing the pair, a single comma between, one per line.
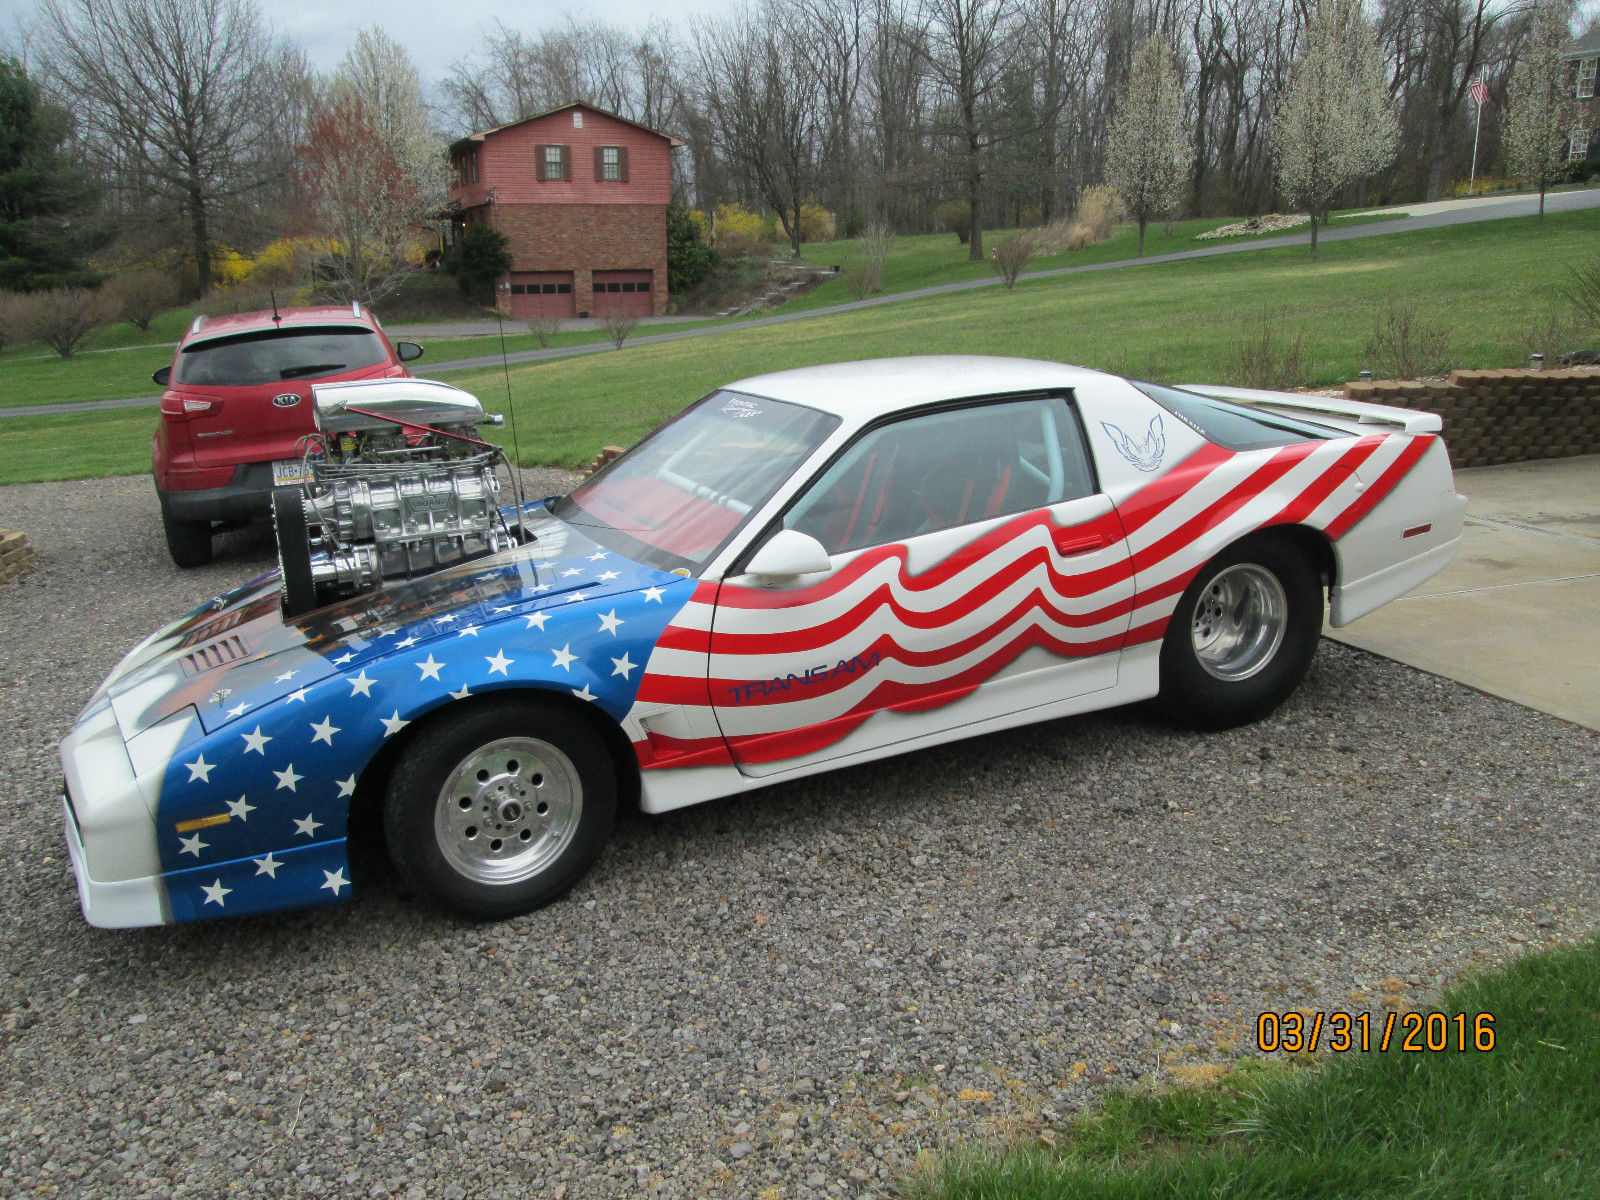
(499,809)
(1243,635)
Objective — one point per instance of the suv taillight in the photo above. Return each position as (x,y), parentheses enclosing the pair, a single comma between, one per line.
(172,406)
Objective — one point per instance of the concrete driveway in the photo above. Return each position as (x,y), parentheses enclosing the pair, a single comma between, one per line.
(1517,614)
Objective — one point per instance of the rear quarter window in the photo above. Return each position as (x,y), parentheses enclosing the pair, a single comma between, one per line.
(1233,426)
(279,355)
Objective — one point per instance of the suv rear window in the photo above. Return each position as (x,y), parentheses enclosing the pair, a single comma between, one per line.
(274,355)
(1233,426)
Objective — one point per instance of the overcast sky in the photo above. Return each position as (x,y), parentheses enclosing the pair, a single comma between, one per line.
(436,32)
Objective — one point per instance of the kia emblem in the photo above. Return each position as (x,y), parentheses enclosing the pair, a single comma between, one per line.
(287,400)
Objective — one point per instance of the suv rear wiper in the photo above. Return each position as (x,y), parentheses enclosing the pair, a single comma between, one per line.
(313,369)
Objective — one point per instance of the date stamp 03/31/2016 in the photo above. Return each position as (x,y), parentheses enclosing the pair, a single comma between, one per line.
(1343,1032)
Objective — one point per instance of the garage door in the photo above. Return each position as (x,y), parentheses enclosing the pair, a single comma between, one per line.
(542,294)
(623,293)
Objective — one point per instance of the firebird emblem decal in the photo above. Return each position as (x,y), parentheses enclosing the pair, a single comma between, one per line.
(1145,455)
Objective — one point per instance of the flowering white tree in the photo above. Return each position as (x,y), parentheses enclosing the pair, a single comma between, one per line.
(1148,149)
(1541,108)
(1336,122)
(371,171)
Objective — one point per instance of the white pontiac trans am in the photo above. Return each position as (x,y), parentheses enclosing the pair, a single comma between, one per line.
(802,571)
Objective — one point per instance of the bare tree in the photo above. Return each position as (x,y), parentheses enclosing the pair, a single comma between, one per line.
(969,46)
(190,106)
(764,107)
(1335,122)
(1541,105)
(1148,151)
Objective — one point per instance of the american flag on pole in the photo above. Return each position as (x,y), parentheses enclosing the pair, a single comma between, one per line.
(1480,92)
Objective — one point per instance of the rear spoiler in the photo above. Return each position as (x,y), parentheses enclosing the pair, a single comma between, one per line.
(1409,420)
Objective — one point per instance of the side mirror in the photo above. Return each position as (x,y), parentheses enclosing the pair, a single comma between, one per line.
(163,376)
(789,553)
(408,351)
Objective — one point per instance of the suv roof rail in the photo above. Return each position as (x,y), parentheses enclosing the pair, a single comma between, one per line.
(198,321)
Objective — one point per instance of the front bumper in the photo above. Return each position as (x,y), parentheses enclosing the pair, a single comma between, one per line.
(122,904)
(246,496)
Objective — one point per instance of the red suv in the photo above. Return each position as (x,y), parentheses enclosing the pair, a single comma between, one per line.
(238,401)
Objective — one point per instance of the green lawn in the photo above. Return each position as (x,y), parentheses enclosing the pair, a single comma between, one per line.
(1491,283)
(924,260)
(1522,1120)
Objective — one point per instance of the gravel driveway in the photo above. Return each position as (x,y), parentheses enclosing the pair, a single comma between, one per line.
(794,992)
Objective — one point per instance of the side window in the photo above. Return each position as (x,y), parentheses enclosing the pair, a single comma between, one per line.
(945,469)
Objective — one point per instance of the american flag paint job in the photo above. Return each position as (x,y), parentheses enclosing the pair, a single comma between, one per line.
(245,736)
(858,625)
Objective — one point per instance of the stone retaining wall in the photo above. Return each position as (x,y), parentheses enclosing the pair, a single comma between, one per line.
(17,558)
(1503,416)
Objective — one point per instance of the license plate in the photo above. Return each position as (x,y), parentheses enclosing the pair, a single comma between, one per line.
(289,471)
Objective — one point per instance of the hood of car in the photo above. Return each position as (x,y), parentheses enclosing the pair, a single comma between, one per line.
(232,655)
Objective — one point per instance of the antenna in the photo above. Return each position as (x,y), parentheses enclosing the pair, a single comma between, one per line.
(277,317)
(511,410)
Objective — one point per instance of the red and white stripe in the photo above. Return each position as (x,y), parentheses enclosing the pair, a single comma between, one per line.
(942,632)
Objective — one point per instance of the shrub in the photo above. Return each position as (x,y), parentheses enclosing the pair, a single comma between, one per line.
(617,328)
(741,245)
(482,259)
(141,296)
(867,278)
(1267,359)
(1096,219)
(817,224)
(1583,290)
(862,279)
(955,216)
(737,221)
(1557,333)
(1404,345)
(1011,254)
(544,328)
(689,258)
(59,317)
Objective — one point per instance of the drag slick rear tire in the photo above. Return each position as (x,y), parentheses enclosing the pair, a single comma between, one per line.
(1243,635)
(499,808)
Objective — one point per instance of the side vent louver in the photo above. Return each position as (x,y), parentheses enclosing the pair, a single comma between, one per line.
(214,654)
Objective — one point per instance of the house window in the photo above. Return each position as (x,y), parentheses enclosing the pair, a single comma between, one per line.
(553,163)
(1586,76)
(611,163)
(1578,145)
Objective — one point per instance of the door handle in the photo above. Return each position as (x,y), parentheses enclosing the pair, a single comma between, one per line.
(1069,542)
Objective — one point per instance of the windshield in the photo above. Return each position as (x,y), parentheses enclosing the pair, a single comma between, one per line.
(275,355)
(1233,426)
(676,498)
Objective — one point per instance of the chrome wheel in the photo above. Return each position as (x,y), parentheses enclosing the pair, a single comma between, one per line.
(1239,621)
(508,810)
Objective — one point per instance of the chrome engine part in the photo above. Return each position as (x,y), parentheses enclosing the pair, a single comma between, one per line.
(398,484)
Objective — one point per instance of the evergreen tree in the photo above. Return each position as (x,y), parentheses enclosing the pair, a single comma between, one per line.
(481,258)
(46,198)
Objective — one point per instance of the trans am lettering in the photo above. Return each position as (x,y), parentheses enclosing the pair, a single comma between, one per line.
(744,692)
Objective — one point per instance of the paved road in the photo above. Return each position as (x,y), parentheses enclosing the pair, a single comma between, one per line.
(1520,206)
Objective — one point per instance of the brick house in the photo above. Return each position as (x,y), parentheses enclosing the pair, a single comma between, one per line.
(581,195)
(1584,55)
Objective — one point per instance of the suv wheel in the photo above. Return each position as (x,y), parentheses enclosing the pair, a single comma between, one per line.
(189,542)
